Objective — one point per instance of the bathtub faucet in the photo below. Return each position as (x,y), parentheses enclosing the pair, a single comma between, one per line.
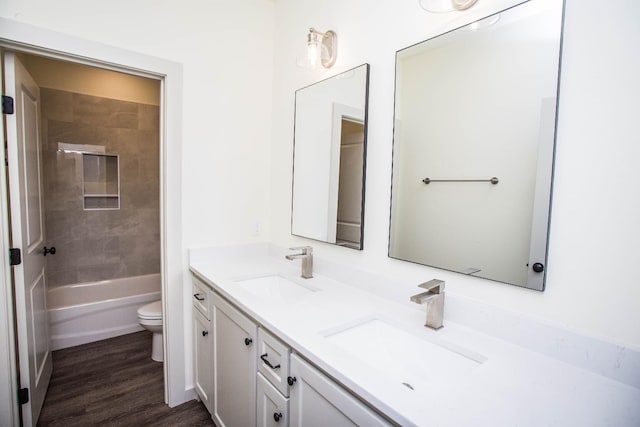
(306,255)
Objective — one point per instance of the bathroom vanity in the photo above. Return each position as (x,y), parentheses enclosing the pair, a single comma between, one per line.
(271,348)
(245,376)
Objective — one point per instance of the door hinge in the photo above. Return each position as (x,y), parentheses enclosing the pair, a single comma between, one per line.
(7,104)
(15,258)
(23,396)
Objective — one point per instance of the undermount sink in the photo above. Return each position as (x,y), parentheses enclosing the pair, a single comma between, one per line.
(412,360)
(276,287)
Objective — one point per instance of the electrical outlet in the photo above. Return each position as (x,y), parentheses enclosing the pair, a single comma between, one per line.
(257,228)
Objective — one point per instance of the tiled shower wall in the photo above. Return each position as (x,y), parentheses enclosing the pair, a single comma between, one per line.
(96,245)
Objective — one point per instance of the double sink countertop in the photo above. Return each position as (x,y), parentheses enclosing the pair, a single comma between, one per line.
(378,349)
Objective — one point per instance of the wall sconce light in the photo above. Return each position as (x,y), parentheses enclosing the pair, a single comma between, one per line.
(440,6)
(321,48)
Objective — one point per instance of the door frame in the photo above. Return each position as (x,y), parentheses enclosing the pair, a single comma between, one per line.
(339,112)
(19,37)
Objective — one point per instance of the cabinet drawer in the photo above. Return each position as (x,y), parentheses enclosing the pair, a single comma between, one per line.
(273,408)
(273,361)
(201,297)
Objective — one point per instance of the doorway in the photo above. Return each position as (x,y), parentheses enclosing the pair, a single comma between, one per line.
(83,151)
(25,39)
(100,156)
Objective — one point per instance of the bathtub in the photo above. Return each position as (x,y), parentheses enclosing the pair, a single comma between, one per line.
(87,312)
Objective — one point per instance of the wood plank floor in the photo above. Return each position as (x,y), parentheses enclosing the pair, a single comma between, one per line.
(113,383)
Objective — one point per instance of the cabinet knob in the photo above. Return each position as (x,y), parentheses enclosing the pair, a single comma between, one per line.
(248,341)
(538,267)
(51,250)
(291,380)
(205,333)
(277,416)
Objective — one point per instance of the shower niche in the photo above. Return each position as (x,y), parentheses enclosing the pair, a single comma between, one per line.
(101,181)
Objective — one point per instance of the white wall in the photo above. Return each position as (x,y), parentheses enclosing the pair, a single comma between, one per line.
(226,48)
(592,284)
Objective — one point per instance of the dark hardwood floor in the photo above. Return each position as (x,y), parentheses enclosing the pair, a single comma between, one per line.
(113,383)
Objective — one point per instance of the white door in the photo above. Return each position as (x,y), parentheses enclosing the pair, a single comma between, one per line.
(27,229)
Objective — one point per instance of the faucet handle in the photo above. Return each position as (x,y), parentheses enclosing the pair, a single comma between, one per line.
(435,286)
(306,250)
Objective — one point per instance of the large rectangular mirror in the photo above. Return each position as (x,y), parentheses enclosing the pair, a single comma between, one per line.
(330,140)
(475,116)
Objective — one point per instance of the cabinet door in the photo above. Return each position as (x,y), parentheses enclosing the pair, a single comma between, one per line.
(318,401)
(202,365)
(234,392)
(273,408)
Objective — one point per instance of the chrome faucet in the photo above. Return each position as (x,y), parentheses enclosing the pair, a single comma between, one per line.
(307,260)
(434,297)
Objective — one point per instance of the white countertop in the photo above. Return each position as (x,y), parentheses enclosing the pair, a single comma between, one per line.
(514,386)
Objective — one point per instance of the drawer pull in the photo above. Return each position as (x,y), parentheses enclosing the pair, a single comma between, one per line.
(205,333)
(198,297)
(291,380)
(277,416)
(266,362)
(248,341)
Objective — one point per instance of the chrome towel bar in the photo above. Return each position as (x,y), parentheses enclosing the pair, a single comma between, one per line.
(493,180)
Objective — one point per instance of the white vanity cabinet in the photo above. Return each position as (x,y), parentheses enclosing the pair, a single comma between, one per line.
(318,401)
(234,366)
(202,343)
(246,376)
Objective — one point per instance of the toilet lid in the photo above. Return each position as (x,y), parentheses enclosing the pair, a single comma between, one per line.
(151,311)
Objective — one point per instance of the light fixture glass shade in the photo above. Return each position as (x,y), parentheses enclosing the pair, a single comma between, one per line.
(313,51)
(322,48)
(443,6)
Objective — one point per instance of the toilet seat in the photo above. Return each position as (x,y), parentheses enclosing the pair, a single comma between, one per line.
(150,322)
(151,311)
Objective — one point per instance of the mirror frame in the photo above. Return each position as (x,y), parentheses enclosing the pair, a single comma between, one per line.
(543,192)
(364,152)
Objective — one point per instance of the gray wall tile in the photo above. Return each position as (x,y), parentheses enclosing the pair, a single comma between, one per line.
(100,245)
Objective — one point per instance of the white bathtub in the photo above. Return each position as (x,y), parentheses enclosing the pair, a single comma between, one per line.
(88,312)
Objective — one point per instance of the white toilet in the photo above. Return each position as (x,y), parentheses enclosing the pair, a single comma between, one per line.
(150,317)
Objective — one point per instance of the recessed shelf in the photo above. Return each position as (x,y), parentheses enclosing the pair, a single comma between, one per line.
(101,183)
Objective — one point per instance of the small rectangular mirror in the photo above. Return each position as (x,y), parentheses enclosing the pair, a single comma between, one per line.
(330,141)
(475,116)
